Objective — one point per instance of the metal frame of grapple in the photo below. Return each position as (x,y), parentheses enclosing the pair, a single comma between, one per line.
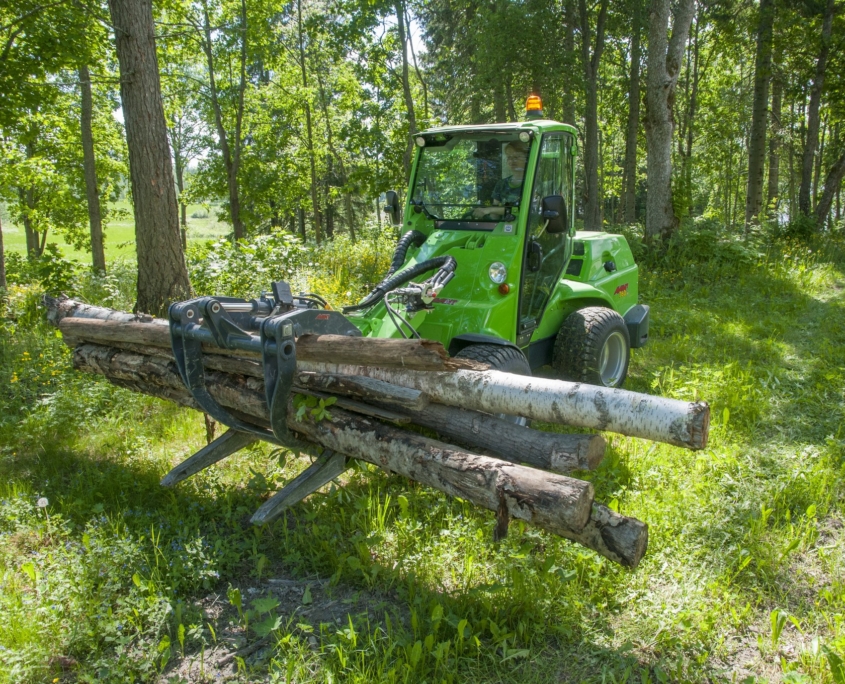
(268,326)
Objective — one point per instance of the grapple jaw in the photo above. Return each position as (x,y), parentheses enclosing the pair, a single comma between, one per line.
(268,326)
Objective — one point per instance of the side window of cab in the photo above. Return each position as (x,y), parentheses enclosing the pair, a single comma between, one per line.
(545,253)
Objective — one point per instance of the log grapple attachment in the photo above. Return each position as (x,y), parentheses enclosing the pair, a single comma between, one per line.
(269,326)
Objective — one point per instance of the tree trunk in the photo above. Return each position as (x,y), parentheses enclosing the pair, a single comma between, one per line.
(329,217)
(685,145)
(318,233)
(231,153)
(812,139)
(3,285)
(571,20)
(817,170)
(664,64)
(773,191)
(300,218)
(417,70)
(759,111)
(33,235)
(92,192)
(831,188)
(35,239)
(350,215)
(406,90)
(162,275)
(546,450)
(509,95)
(629,197)
(590,62)
(179,167)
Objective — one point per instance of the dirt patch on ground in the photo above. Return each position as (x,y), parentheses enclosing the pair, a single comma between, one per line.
(302,607)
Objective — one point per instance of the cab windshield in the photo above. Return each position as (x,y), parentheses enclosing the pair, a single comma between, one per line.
(471,177)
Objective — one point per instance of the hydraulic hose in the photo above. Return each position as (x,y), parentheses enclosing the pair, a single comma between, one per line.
(411,238)
(446,266)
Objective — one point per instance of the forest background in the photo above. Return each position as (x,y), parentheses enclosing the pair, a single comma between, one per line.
(712,137)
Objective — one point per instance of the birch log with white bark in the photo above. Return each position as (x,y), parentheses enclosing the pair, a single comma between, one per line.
(555,401)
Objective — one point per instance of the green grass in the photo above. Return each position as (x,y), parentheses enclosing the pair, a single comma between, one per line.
(744,581)
(119,234)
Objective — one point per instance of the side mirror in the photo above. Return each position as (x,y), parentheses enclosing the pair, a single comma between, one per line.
(554,211)
(391,208)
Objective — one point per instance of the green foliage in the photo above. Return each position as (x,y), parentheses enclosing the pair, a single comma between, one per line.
(341,270)
(247,269)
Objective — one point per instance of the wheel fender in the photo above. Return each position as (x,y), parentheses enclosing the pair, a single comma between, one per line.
(461,341)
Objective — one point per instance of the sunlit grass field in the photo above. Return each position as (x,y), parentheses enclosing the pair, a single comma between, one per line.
(108,577)
(203,224)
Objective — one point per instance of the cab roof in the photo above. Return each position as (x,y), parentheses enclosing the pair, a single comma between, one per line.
(535,125)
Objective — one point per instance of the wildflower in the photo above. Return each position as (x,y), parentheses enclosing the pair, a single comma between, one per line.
(42,502)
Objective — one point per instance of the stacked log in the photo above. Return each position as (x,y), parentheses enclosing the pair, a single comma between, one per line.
(383,386)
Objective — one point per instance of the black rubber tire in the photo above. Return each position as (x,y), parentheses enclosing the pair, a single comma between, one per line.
(505,359)
(579,345)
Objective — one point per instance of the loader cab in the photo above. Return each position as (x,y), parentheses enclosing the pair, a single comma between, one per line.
(499,199)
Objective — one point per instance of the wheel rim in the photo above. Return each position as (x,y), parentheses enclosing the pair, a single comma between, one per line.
(612,359)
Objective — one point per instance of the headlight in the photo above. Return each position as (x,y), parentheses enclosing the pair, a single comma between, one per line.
(525,136)
(420,141)
(498,272)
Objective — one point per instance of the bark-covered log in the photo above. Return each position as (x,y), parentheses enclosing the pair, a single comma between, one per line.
(367,389)
(516,443)
(620,538)
(555,401)
(418,354)
(554,502)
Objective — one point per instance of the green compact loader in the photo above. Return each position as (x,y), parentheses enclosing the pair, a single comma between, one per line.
(490,212)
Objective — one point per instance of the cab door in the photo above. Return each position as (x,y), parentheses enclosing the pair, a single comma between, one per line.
(545,254)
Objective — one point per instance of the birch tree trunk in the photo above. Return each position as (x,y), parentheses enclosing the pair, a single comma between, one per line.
(229,150)
(590,63)
(813,118)
(315,206)
(2,260)
(92,193)
(162,275)
(773,191)
(629,199)
(179,168)
(406,89)
(664,66)
(759,111)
